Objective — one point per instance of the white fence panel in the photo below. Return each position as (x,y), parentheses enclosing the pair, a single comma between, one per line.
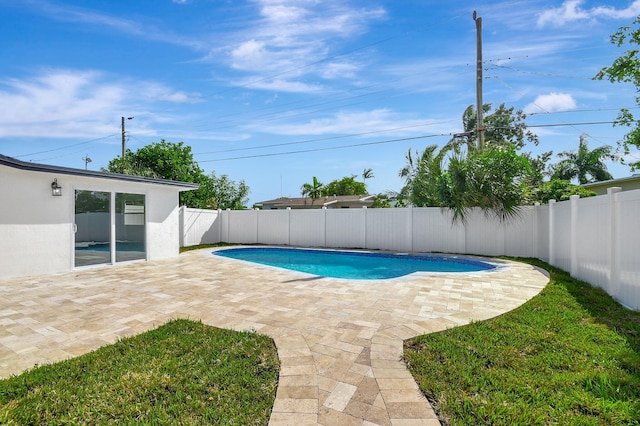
(434,231)
(389,229)
(345,228)
(626,284)
(592,240)
(520,234)
(561,235)
(485,235)
(199,226)
(542,235)
(595,239)
(243,226)
(307,228)
(273,227)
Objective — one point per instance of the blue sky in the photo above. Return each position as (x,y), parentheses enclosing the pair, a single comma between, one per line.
(274,92)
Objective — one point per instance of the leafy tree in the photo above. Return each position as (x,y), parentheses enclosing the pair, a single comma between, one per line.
(92,201)
(559,190)
(226,194)
(579,164)
(505,126)
(345,186)
(174,161)
(539,168)
(313,190)
(382,201)
(626,69)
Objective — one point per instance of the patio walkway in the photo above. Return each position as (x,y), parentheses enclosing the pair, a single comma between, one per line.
(339,342)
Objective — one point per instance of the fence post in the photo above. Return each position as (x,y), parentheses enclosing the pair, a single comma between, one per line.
(552,232)
(411,236)
(574,199)
(288,226)
(364,208)
(324,216)
(181,225)
(614,259)
(536,229)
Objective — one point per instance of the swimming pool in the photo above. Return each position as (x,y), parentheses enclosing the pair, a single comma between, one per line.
(353,265)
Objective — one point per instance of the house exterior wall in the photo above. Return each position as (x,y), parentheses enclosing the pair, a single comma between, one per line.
(37,229)
(625,184)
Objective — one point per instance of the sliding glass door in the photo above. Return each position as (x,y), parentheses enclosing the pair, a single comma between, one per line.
(130,227)
(109,227)
(93,228)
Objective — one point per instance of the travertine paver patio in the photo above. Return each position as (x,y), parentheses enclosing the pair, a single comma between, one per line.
(340,343)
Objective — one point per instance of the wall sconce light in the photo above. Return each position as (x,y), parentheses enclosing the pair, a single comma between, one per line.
(56,190)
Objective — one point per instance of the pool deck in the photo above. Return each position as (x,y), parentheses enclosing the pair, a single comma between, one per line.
(340,343)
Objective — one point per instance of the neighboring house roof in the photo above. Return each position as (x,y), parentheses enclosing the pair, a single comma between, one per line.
(35,167)
(626,183)
(329,201)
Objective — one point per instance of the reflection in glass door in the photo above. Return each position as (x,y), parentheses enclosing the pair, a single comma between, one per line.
(130,227)
(92,226)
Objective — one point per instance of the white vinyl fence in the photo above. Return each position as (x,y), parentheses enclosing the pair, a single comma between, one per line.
(596,239)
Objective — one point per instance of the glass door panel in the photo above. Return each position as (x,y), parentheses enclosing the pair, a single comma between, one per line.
(130,227)
(92,228)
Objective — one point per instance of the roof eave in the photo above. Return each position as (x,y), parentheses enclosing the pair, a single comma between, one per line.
(45,168)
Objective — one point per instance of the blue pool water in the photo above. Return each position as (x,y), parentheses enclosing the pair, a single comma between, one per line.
(352,265)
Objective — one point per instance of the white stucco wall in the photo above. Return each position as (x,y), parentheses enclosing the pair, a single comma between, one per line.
(36,228)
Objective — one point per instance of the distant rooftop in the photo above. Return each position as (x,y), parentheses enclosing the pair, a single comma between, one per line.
(325,201)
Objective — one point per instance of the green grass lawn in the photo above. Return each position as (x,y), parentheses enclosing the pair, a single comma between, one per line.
(183,372)
(203,246)
(569,356)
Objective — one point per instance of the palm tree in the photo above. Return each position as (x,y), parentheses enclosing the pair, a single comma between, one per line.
(493,179)
(423,175)
(584,163)
(367,174)
(313,190)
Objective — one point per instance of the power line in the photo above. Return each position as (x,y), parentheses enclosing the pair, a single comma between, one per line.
(326,149)
(65,147)
(578,110)
(568,124)
(372,143)
(324,139)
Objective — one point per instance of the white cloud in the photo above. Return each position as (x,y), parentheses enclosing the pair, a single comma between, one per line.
(71,103)
(289,86)
(551,102)
(249,55)
(103,21)
(339,70)
(572,10)
(295,38)
(359,122)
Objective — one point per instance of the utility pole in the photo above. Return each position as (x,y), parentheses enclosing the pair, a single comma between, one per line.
(479,107)
(87,160)
(124,143)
